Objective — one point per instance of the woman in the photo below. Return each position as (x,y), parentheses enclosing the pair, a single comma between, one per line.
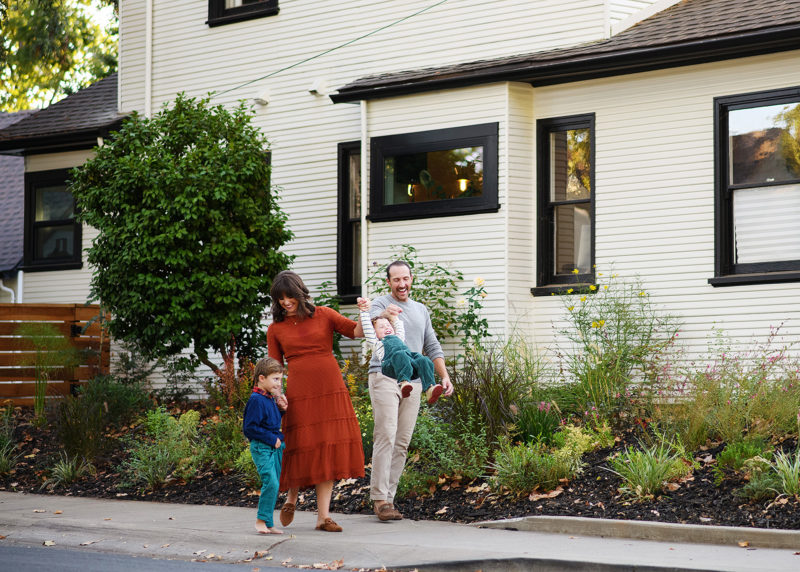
(323,439)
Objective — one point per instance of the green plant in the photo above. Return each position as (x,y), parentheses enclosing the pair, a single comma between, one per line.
(79,425)
(190,232)
(225,440)
(68,470)
(9,455)
(615,335)
(734,456)
(247,468)
(231,387)
(537,422)
(327,296)
(435,285)
(121,402)
(132,367)
(53,352)
(180,379)
(150,464)
(354,372)
(491,384)
(523,468)
(787,467)
(646,471)
(762,485)
(472,329)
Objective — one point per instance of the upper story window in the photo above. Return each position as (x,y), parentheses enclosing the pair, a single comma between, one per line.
(434,173)
(52,235)
(227,11)
(565,222)
(348,271)
(757,187)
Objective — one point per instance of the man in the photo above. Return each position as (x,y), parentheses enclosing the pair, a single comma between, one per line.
(394,415)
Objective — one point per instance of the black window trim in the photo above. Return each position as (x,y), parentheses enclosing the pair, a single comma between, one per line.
(484,134)
(726,272)
(344,264)
(218,15)
(34,180)
(546,281)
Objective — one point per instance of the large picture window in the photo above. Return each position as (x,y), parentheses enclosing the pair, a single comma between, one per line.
(52,235)
(349,242)
(434,173)
(228,11)
(757,187)
(565,180)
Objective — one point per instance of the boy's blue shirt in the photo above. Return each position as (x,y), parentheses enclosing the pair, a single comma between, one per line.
(262,420)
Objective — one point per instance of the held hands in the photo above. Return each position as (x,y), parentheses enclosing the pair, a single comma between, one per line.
(394,310)
(363,304)
(282,402)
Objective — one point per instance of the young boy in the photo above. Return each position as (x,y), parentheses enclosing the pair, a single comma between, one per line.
(386,334)
(262,426)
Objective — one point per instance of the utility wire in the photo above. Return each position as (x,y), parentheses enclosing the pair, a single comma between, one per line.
(331,49)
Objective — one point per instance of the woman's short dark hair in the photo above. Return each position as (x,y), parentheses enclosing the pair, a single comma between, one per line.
(289,284)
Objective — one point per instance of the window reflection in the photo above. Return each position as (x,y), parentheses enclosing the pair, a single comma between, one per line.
(433,176)
(764,144)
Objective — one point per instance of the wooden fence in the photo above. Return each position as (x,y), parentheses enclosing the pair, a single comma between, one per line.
(77,323)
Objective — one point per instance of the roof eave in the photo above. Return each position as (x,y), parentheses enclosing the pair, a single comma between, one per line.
(54,142)
(555,71)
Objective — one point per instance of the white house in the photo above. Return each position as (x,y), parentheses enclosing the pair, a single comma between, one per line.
(517,140)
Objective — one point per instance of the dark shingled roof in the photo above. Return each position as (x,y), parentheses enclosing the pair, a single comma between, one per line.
(689,32)
(76,120)
(12,201)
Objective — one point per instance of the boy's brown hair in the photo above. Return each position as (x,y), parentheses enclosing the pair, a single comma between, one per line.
(385,315)
(265,367)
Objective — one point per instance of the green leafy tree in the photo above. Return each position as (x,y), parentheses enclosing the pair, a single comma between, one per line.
(189,229)
(51,48)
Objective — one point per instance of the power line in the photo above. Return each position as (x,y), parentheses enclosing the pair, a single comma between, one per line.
(308,59)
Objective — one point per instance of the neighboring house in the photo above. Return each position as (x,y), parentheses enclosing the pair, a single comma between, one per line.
(50,142)
(12,171)
(539,145)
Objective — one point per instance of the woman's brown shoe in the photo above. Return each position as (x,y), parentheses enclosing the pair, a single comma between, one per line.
(287,513)
(329,526)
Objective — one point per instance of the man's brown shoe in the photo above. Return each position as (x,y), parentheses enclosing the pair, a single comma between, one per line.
(384,511)
(394,514)
(287,513)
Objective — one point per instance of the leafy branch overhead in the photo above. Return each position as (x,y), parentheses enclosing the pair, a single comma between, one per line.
(189,229)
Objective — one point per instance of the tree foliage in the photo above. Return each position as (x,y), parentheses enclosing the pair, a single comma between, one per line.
(189,229)
(52,48)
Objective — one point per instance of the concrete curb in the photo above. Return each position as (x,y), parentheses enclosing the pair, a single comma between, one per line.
(656,531)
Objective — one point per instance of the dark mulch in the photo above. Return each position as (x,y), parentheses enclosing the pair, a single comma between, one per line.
(594,494)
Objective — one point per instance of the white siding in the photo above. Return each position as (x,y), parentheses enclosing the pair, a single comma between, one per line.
(62,286)
(619,10)
(655,193)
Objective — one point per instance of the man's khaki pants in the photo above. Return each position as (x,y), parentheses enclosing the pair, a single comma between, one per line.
(395,418)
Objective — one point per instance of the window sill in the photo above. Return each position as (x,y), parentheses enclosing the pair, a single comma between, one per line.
(242,13)
(762,278)
(52,266)
(561,289)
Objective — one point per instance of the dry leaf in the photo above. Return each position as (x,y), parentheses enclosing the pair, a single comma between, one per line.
(164,545)
(88,542)
(107,518)
(442,510)
(478,489)
(199,551)
(122,494)
(672,486)
(48,543)
(743,544)
(39,510)
(1,537)
(58,512)
(551,495)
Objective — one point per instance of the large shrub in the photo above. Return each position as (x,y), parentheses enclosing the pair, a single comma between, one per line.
(189,228)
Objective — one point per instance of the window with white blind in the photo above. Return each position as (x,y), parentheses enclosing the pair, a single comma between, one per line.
(758,187)
(229,11)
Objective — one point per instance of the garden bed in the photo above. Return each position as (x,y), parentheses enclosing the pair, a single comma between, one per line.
(595,493)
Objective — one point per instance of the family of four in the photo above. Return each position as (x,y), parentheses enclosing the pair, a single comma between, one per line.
(322,438)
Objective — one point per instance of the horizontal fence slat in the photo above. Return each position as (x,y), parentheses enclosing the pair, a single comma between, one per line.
(58,388)
(29,374)
(25,344)
(12,328)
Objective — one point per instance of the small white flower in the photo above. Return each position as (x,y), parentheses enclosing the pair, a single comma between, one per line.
(461,302)
(479,281)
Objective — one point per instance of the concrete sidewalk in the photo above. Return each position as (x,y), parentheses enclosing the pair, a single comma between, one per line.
(225,534)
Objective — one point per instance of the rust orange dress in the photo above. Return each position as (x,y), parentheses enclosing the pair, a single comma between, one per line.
(323,439)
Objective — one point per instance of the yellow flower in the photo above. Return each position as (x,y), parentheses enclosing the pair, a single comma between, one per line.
(601,323)
(574,270)
(642,293)
(483,294)
(594,324)
(605,287)
(571,308)
(569,291)
(583,298)
(592,287)
(479,281)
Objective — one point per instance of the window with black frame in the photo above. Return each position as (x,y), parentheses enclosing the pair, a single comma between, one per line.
(52,235)
(434,173)
(229,11)
(757,187)
(349,241)
(565,180)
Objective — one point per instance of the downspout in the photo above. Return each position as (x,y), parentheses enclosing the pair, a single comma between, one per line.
(5,288)
(364,200)
(148,61)
(20,289)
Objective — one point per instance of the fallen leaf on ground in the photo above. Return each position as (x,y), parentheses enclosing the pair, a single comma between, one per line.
(88,542)
(58,512)
(743,544)
(39,510)
(1,537)
(48,543)
(673,486)
(164,545)
(107,518)
(442,510)
(551,495)
(199,551)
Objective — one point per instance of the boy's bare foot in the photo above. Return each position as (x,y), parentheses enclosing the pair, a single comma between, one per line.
(405,389)
(262,528)
(434,392)
(273,531)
